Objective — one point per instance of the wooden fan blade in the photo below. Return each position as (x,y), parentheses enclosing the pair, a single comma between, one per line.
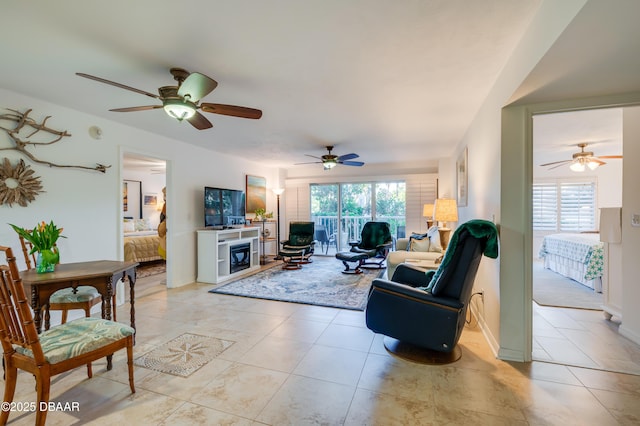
(347,157)
(562,163)
(138,108)
(232,110)
(351,163)
(199,121)
(310,162)
(609,156)
(113,83)
(556,162)
(196,86)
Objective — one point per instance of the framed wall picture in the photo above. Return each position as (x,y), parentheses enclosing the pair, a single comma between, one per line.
(256,193)
(150,199)
(462,178)
(132,198)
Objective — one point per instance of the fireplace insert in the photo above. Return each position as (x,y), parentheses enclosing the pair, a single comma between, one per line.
(240,257)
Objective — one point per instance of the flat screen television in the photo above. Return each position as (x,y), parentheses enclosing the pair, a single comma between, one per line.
(223,208)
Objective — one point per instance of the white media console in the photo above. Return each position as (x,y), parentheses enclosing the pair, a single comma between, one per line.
(227,253)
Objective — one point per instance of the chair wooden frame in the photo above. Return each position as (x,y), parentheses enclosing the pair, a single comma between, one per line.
(17,329)
(30,260)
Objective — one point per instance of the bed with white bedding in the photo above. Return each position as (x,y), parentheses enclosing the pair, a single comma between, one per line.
(140,241)
(576,256)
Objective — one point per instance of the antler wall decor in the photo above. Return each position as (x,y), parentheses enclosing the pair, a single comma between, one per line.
(23,121)
(18,184)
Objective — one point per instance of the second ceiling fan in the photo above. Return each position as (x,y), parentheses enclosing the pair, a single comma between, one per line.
(582,160)
(329,161)
(182,101)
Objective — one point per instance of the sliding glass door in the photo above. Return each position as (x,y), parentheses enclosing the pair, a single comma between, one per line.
(340,210)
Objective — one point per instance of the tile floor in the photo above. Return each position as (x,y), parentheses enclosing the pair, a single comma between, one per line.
(295,364)
(583,338)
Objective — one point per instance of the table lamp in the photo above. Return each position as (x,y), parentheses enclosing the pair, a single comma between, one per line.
(445,210)
(427,212)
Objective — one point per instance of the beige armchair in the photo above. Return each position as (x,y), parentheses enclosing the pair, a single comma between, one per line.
(426,249)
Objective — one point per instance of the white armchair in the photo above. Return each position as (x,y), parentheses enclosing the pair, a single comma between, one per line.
(427,248)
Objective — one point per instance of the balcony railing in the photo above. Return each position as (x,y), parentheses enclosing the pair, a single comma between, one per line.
(351,228)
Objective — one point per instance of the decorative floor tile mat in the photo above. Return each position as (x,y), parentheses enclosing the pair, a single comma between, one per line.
(184,354)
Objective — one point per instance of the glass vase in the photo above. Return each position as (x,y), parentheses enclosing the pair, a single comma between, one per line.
(46,260)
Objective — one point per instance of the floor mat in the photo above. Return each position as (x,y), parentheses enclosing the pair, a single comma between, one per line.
(183,355)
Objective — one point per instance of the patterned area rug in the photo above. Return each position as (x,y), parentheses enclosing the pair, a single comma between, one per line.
(183,355)
(319,283)
(147,269)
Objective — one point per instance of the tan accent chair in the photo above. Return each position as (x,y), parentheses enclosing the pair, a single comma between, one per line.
(85,340)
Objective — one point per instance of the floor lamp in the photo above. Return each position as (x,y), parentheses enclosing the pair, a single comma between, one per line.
(278,192)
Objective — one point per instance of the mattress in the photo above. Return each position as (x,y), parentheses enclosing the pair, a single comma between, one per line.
(141,246)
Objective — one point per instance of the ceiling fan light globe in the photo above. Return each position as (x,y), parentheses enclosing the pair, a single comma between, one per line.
(329,164)
(179,110)
(593,165)
(577,167)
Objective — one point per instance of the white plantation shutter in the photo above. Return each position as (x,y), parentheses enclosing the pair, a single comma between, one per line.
(545,207)
(577,207)
(564,206)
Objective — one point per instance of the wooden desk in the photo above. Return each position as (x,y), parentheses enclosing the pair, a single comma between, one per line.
(101,274)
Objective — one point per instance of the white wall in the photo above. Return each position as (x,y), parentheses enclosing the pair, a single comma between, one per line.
(87,203)
(491,195)
(631,235)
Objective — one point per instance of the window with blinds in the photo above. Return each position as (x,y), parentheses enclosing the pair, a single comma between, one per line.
(564,206)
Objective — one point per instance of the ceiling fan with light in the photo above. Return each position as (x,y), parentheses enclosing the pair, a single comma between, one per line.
(329,161)
(581,160)
(182,101)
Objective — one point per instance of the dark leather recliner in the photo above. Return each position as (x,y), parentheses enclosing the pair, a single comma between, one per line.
(375,242)
(429,309)
(301,240)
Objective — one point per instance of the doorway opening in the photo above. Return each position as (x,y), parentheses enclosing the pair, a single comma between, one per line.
(143,202)
(569,323)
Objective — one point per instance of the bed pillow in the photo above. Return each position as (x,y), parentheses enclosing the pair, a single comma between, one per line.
(142,224)
(128,226)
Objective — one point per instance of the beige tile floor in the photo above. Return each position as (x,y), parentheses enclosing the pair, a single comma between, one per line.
(295,364)
(583,338)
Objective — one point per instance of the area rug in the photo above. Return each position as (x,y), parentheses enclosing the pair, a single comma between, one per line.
(552,289)
(183,355)
(147,269)
(320,283)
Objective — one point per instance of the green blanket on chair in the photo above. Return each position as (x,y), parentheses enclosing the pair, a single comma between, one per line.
(478,228)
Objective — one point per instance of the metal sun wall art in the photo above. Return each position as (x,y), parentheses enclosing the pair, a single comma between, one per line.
(18,184)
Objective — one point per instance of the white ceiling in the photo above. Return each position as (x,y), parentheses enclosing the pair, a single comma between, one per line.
(377,77)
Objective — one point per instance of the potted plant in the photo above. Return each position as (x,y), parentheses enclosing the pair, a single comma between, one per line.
(43,242)
(260,214)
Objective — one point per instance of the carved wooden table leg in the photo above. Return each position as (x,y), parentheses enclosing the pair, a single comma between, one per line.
(35,304)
